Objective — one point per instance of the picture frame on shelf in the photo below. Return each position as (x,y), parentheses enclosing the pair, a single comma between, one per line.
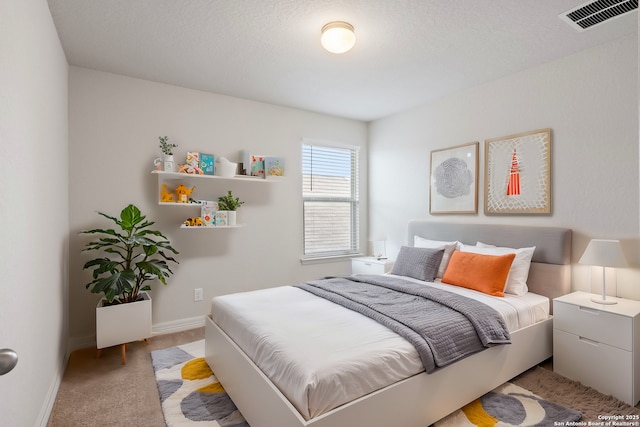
(274,167)
(518,174)
(454,180)
(257,166)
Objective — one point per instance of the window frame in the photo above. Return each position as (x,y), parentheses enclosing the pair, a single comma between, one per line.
(353,199)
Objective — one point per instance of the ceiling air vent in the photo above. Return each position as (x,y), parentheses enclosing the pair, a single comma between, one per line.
(597,12)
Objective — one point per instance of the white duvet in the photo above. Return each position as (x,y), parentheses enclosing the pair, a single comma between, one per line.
(321,355)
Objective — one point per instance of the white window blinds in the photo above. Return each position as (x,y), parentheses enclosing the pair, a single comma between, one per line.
(330,200)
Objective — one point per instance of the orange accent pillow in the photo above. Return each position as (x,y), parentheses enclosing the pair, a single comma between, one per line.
(480,272)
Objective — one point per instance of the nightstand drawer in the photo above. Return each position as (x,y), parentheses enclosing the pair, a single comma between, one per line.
(595,325)
(605,368)
(370,265)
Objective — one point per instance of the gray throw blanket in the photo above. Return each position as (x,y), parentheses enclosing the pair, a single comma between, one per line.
(443,326)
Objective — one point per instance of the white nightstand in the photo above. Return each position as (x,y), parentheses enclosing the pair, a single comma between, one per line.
(598,345)
(370,265)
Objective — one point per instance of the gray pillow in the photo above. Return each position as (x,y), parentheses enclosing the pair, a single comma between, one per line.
(419,263)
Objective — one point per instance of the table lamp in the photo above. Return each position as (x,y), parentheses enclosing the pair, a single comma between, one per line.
(604,253)
(379,249)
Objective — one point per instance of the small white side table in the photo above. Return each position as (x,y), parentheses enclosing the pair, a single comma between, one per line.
(598,345)
(370,265)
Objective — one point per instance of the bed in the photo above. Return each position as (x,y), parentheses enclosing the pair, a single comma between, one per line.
(417,399)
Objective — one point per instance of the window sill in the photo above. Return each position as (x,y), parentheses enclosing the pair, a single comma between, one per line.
(328,259)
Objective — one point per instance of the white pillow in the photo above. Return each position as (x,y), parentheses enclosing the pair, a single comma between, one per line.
(449,247)
(517,280)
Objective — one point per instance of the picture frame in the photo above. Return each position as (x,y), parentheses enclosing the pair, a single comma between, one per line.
(257,166)
(454,180)
(518,174)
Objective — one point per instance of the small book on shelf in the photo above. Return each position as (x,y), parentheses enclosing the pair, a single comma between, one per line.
(208,209)
(222,219)
(207,163)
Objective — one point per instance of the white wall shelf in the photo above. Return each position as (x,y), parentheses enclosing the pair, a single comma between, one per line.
(178,204)
(174,177)
(162,175)
(210,227)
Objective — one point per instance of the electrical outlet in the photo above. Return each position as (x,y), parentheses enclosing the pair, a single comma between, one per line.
(197,294)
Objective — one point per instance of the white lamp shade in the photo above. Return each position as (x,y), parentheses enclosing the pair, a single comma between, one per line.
(605,253)
(379,249)
(338,37)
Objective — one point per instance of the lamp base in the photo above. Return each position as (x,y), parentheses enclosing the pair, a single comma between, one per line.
(604,301)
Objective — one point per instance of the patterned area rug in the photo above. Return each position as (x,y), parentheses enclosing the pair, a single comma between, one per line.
(190,394)
(510,405)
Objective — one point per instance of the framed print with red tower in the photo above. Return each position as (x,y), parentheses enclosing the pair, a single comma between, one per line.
(518,173)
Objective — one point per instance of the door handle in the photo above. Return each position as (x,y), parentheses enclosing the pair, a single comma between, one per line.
(8,360)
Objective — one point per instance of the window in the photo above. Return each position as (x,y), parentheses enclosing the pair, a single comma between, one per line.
(330,200)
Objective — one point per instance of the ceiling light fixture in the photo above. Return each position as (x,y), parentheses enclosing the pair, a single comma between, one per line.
(338,37)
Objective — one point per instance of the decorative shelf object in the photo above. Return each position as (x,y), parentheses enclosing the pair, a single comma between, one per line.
(171,178)
(166,177)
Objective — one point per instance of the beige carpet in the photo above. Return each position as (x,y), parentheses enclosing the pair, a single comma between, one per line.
(553,387)
(103,392)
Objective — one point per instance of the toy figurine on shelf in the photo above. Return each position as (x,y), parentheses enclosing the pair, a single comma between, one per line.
(192,165)
(183,193)
(165,195)
(194,222)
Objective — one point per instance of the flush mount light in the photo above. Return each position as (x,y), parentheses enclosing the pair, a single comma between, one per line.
(338,37)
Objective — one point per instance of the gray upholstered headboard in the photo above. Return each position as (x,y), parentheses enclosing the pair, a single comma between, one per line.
(550,272)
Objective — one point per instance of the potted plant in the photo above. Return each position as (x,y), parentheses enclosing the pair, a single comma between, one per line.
(167,153)
(133,255)
(230,204)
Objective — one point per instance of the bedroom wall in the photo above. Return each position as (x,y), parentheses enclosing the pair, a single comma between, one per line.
(115,123)
(590,102)
(33,210)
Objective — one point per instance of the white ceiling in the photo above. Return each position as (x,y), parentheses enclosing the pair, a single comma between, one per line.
(408,53)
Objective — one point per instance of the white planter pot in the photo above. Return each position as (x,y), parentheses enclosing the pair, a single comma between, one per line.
(232,217)
(168,163)
(123,323)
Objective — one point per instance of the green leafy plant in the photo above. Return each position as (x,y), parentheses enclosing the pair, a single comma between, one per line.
(137,254)
(165,146)
(228,202)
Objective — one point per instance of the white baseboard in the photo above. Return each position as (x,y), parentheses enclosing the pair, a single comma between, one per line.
(88,341)
(178,325)
(50,399)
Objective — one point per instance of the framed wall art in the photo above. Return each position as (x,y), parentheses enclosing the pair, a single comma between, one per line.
(518,173)
(454,180)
